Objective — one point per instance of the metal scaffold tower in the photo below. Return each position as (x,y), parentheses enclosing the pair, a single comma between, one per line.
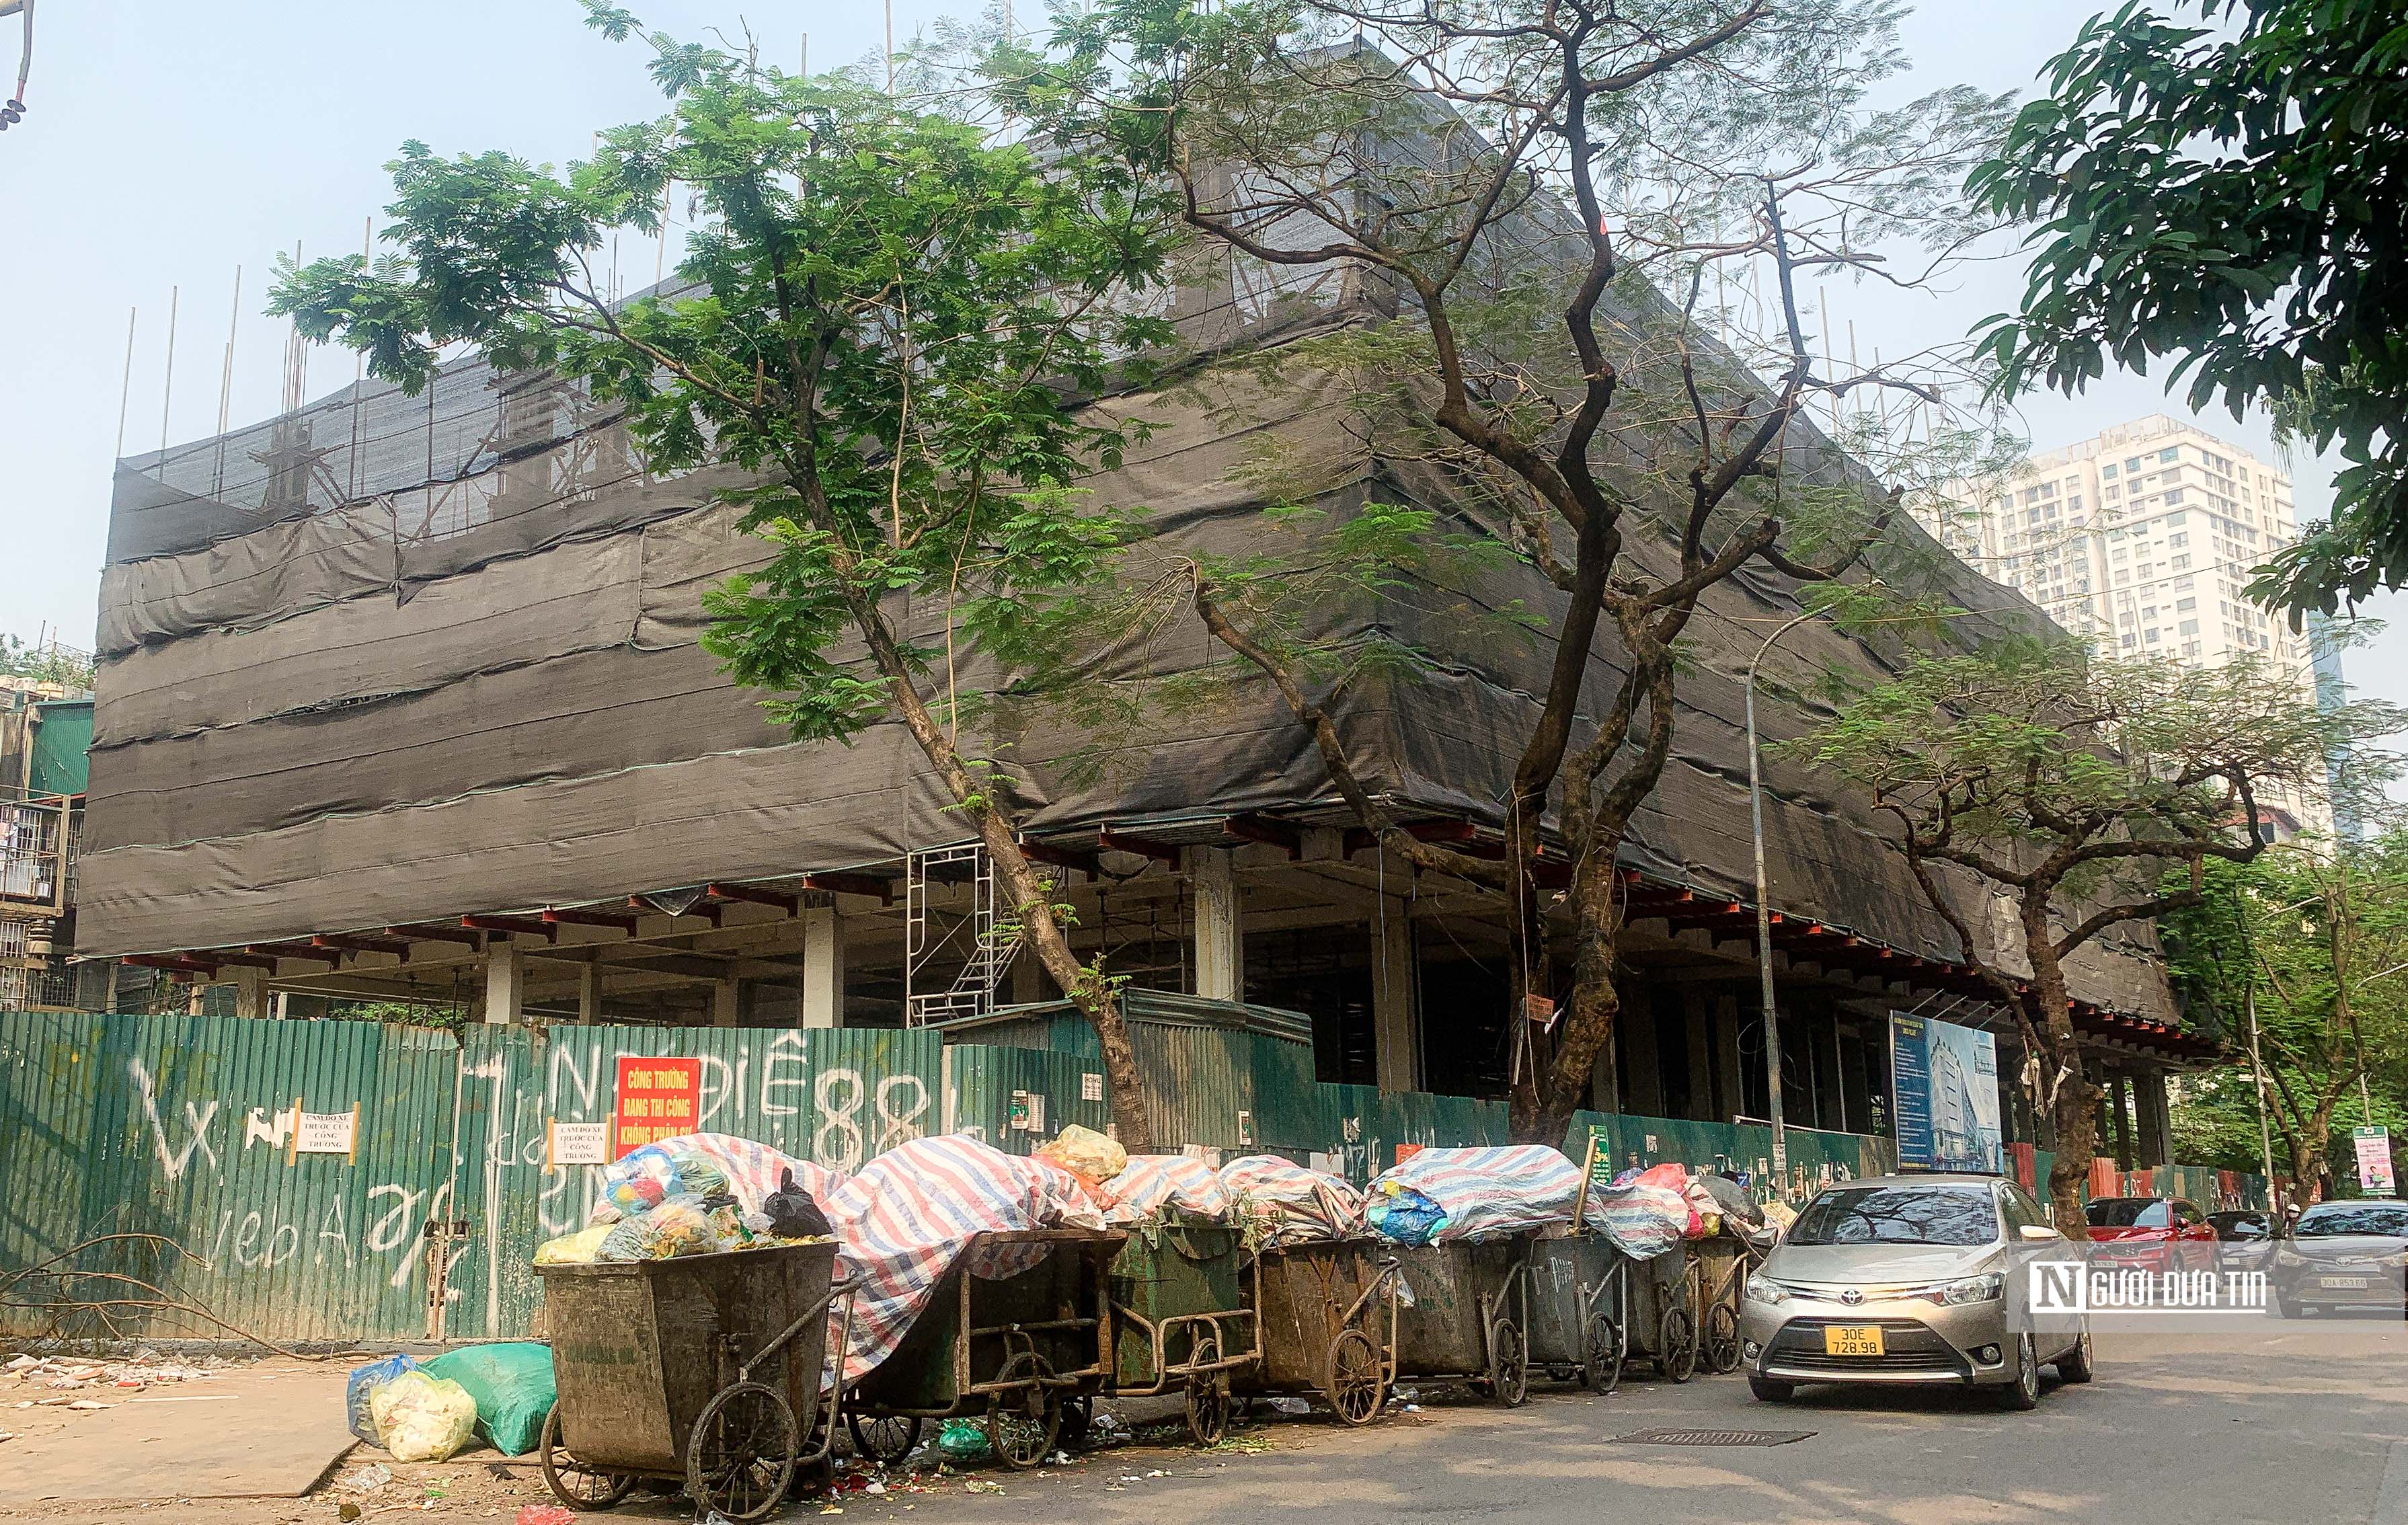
(986,955)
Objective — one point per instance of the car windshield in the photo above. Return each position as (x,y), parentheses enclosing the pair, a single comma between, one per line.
(2389,1219)
(1899,1215)
(2127,1213)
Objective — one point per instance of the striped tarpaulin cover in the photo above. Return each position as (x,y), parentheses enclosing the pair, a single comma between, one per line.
(1296,1205)
(1493,1189)
(913,1209)
(1154,1182)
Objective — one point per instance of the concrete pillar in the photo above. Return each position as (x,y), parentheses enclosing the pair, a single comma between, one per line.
(1854,1085)
(251,992)
(505,982)
(722,1002)
(1697,1006)
(1604,1075)
(1028,982)
(2149,1098)
(1835,1094)
(1396,1001)
(2119,1107)
(1642,1088)
(1731,1079)
(1220,944)
(823,968)
(589,992)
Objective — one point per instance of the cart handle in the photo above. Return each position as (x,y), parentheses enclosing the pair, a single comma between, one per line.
(844,1288)
(1390,1268)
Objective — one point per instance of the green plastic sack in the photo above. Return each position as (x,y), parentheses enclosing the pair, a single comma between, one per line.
(962,1440)
(513,1386)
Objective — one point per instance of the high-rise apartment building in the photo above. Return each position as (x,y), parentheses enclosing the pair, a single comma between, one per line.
(2142,539)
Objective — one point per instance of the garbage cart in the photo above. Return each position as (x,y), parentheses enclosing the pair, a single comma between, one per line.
(1183,1296)
(1684,1306)
(1580,1309)
(1326,1316)
(703,1369)
(1463,1312)
(1018,1328)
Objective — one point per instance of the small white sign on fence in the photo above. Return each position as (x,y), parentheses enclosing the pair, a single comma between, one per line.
(1091,1086)
(325,1132)
(575,1144)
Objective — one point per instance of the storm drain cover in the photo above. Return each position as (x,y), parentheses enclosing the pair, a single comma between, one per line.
(1713,1437)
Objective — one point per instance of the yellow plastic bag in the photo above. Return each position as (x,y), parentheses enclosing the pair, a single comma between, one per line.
(421,1418)
(583,1248)
(1085,1153)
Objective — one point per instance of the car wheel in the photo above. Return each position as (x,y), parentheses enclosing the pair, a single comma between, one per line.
(1769,1391)
(2023,1393)
(2076,1365)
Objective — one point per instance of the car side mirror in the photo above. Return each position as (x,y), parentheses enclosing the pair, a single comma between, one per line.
(2037,1233)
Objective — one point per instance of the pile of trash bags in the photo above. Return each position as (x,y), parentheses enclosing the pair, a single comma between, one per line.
(699,1194)
(430,1411)
(1648,1211)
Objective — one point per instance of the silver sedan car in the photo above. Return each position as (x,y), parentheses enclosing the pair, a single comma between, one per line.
(1904,1279)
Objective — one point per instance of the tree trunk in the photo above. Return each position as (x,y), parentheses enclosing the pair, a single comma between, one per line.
(1587,1027)
(2075,1109)
(1028,895)
(1024,891)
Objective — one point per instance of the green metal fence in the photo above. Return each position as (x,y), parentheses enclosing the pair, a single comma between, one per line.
(179,1127)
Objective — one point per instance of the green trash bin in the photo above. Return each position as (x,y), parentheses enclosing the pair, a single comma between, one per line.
(1182,1319)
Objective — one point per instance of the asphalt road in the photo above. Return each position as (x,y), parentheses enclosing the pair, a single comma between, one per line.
(2175,1429)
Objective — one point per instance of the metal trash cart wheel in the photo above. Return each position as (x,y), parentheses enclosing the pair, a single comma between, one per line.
(743,1452)
(883,1438)
(1509,1363)
(1024,1422)
(1722,1340)
(571,1481)
(1603,1348)
(1355,1377)
(1207,1392)
(1676,1345)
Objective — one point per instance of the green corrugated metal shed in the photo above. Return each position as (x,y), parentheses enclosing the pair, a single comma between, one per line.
(62,736)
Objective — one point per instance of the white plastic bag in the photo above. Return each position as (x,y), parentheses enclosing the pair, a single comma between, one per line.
(421,1418)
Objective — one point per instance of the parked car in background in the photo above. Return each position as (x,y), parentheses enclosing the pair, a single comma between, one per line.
(2246,1226)
(2344,1255)
(2151,1234)
(1904,1279)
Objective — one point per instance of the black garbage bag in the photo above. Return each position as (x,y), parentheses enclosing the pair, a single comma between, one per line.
(791,1213)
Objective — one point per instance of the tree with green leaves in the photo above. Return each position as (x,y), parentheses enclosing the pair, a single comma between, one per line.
(2064,788)
(2301,958)
(1582,245)
(47,663)
(884,325)
(2220,184)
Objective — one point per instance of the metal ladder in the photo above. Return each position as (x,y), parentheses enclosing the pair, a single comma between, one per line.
(989,957)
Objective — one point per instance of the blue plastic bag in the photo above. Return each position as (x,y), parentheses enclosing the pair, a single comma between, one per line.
(366,1380)
(1403,1216)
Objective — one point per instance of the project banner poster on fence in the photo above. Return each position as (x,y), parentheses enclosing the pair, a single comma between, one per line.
(2374,1160)
(656,1099)
(1945,1081)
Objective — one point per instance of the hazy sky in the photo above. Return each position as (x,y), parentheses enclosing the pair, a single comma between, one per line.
(165,144)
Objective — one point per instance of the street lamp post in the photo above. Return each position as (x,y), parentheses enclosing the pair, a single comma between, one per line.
(1764,914)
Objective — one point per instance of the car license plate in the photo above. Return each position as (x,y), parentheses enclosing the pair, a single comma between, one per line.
(1853,1340)
(2343,1284)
